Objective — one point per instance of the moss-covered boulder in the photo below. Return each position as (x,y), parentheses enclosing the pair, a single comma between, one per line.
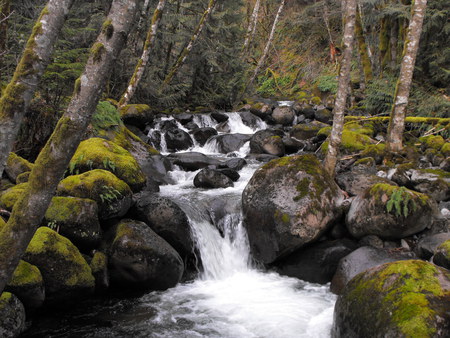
(434,182)
(288,203)
(138,257)
(27,284)
(399,299)
(99,267)
(435,142)
(137,115)
(442,255)
(306,131)
(351,141)
(97,153)
(16,165)
(10,196)
(12,316)
(66,273)
(76,219)
(390,212)
(267,142)
(113,196)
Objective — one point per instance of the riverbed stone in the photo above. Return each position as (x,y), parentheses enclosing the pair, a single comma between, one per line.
(212,179)
(99,267)
(12,316)
(361,260)
(267,142)
(139,258)
(66,273)
(283,115)
(137,115)
(442,255)
(434,182)
(201,135)
(177,140)
(250,119)
(390,212)
(192,161)
(428,245)
(230,142)
(288,203)
(401,299)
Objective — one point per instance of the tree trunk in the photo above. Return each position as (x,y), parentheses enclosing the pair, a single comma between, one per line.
(398,114)
(269,42)
(55,156)
(19,92)
(142,63)
(363,50)
(186,51)
(251,30)
(343,86)
(4,15)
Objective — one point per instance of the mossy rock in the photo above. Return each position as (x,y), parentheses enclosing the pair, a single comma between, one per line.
(434,182)
(435,142)
(401,299)
(12,316)
(16,165)
(442,255)
(99,267)
(76,219)
(351,142)
(98,153)
(445,150)
(306,131)
(65,272)
(113,196)
(5,184)
(287,204)
(27,284)
(361,127)
(137,115)
(376,151)
(9,197)
(23,177)
(390,212)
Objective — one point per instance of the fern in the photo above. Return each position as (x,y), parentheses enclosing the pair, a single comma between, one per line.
(399,201)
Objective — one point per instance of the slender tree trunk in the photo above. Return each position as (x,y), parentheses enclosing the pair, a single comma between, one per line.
(53,160)
(142,63)
(19,92)
(263,57)
(398,114)
(363,50)
(343,87)
(187,50)
(5,11)
(251,30)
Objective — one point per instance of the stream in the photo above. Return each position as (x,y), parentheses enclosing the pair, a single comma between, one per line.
(230,297)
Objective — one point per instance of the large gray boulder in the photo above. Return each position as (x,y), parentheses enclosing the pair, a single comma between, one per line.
(284,115)
(139,258)
(212,179)
(230,142)
(12,316)
(288,203)
(267,142)
(192,161)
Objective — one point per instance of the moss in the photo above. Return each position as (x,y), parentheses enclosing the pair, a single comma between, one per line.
(64,209)
(98,153)
(17,161)
(140,110)
(26,274)
(439,172)
(374,150)
(445,249)
(361,127)
(97,51)
(108,29)
(10,196)
(433,142)
(350,142)
(5,298)
(99,262)
(2,223)
(77,87)
(316,100)
(23,177)
(399,294)
(365,161)
(445,150)
(50,243)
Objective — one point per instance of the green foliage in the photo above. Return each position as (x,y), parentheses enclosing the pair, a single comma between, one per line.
(109,194)
(327,83)
(398,202)
(379,95)
(105,117)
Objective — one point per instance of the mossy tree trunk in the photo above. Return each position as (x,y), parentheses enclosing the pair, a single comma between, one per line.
(263,57)
(19,92)
(5,11)
(187,50)
(343,88)
(251,29)
(397,119)
(142,63)
(53,160)
(363,49)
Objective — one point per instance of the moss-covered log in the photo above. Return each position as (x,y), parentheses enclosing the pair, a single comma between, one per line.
(19,92)
(51,163)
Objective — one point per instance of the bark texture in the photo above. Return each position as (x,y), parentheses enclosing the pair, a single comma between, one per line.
(363,50)
(5,10)
(142,63)
(36,56)
(343,88)
(187,50)
(55,156)
(251,30)
(398,114)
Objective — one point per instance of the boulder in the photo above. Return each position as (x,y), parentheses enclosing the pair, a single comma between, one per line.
(306,131)
(139,258)
(324,115)
(267,142)
(192,161)
(231,173)
(76,219)
(442,255)
(355,183)
(177,139)
(288,203)
(428,245)
(16,165)
(12,316)
(113,196)
(66,273)
(235,164)
(223,127)
(221,211)
(27,284)
(284,115)
(99,267)
(249,119)
(362,259)
(219,117)
(212,179)
(167,219)
(390,212)
(155,168)
(98,153)
(400,299)
(10,196)
(184,118)
(201,135)
(317,263)
(137,115)
(434,182)
(230,142)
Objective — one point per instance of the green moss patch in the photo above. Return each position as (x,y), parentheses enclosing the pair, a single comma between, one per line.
(433,142)
(25,274)
(11,196)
